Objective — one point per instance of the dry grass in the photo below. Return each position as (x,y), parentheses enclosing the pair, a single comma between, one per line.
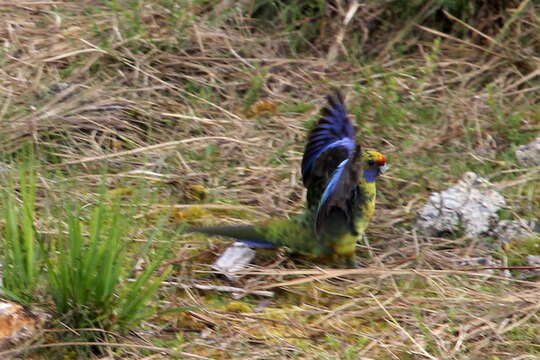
(168,94)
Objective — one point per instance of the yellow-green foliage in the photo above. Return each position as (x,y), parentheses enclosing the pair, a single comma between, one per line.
(238,307)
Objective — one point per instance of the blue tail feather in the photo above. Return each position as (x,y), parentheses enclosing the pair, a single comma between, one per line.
(258,244)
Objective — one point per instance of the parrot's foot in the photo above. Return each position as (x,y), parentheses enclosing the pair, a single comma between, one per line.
(353,263)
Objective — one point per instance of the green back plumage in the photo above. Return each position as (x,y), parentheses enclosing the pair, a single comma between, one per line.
(298,234)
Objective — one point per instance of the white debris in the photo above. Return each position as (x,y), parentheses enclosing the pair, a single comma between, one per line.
(529,155)
(471,205)
(237,257)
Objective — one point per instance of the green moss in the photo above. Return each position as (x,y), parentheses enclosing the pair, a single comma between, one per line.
(518,250)
(524,333)
(239,307)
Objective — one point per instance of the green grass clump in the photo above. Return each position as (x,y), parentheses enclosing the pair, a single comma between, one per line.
(88,269)
(89,276)
(302,20)
(21,253)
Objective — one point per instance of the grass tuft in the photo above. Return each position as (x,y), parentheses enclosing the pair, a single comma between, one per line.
(89,272)
(21,258)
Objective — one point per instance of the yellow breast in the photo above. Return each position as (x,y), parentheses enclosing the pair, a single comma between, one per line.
(368,208)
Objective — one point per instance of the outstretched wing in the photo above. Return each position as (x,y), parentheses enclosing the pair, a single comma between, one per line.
(341,194)
(329,167)
(329,143)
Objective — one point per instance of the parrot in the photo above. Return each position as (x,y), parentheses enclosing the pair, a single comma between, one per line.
(340,180)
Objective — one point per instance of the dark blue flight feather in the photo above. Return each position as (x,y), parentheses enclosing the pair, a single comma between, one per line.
(334,133)
(330,169)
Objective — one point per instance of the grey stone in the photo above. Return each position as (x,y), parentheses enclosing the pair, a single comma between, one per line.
(529,155)
(484,262)
(533,260)
(509,230)
(470,205)
(59,87)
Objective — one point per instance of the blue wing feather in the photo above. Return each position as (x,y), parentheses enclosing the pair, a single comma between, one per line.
(334,130)
(347,143)
(332,183)
(329,166)
(339,195)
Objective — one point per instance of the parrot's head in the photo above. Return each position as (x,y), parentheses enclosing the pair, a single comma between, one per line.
(373,164)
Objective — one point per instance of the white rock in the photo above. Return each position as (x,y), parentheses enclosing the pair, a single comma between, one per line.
(471,205)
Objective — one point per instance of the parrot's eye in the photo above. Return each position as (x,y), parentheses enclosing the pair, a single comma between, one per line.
(371,162)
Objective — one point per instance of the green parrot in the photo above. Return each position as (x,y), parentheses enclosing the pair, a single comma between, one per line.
(340,181)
